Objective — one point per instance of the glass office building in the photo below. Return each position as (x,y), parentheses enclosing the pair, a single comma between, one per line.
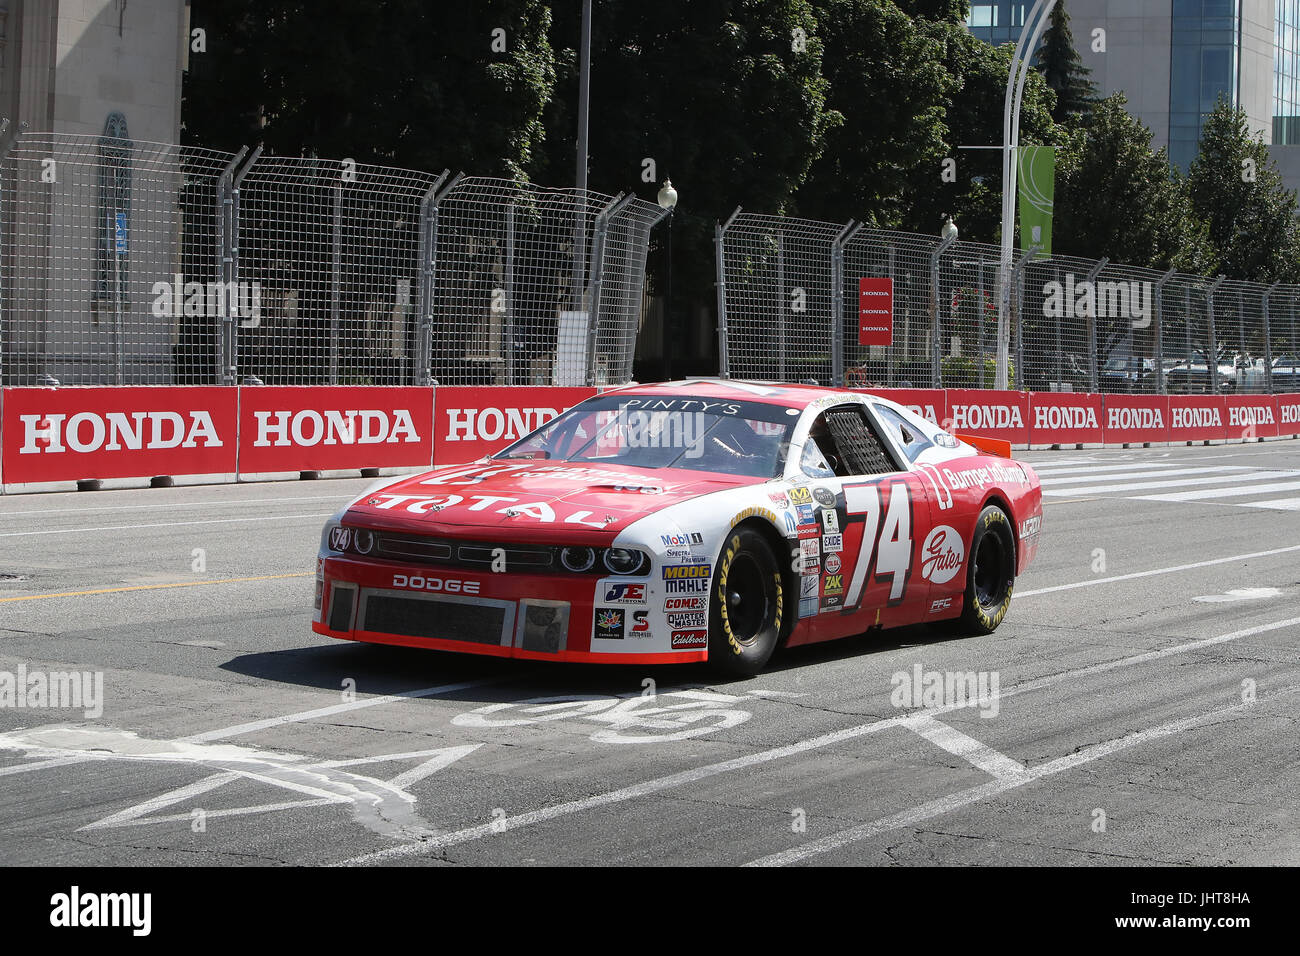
(998,22)
(1286,73)
(1204,64)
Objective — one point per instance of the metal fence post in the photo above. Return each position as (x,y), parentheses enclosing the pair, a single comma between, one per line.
(5,146)
(597,267)
(891,350)
(428,240)
(1159,331)
(782,303)
(1211,343)
(837,302)
(1093,376)
(719,242)
(1018,271)
(936,346)
(1268,338)
(227,225)
(336,280)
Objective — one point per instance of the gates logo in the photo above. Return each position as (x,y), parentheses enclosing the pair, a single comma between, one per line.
(308,427)
(942,555)
(87,432)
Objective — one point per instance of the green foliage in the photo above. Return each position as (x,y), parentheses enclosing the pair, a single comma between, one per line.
(1233,185)
(952,11)
(1062,67)
(991,372)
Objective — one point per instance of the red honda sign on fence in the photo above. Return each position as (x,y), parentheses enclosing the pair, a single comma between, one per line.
(1064,418)
(1288,414)
(876,311)
(473,422)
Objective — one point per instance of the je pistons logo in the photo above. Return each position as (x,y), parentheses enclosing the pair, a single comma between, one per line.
(942,555)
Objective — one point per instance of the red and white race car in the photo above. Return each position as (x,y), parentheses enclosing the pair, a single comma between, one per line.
(686,521)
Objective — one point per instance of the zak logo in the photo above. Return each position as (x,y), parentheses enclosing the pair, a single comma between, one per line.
(942,555)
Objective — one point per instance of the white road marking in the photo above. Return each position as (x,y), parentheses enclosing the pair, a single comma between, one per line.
(1156,571)
(238,502)
(696,774)
(965,798)
(1239,594)
(1229,471)
(1234,492)
(1051,471)
(165,524)
(1277,504)
(1177,483)
(961,745)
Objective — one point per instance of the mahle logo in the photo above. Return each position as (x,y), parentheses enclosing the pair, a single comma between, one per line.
(1098,300)
(211,300)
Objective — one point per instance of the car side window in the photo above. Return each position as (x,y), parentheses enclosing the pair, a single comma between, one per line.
(909,437)
(849,444)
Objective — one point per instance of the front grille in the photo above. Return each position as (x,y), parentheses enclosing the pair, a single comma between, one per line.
(411,547)
(434,618)
(341,599)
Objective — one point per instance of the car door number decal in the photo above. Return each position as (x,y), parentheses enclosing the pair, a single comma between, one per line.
(889,540)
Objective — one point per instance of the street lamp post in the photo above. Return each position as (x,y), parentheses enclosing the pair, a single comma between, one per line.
(668,200)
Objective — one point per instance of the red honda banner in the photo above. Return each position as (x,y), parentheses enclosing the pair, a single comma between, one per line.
(67,434)
(993,414)
(285,428)
(1197,418)
(1064,418)
(876,311)
(929,403)
(1135,419)
(1288,413)
(471,422)
(1251,416)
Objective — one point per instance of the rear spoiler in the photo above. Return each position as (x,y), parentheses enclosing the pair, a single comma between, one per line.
(993,446)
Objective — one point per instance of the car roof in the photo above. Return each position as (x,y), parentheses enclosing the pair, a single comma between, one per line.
(773,393)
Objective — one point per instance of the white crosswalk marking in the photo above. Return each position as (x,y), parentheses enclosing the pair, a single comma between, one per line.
(1101,489)
(1236,492)
(1277,504)
(1052,480)
(1081,469)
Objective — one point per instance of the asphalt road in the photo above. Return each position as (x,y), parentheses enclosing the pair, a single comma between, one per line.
(1148,679)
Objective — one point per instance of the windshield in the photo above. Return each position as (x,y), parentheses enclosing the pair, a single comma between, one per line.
(698,434)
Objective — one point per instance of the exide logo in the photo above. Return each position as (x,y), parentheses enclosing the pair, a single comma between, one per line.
(491,424)
(87,432)
(309,427)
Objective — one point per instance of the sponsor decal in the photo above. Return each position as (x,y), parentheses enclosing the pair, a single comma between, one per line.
(87,432)
(677,572)
(830,521)
(755,512)
(832,602)
(801,496)
(806,514)
(1290,413)
(791,525)
(689,640)
(308,427)
(686,539)
(832,563)
(1029,527)
(942,555)
(609,624)
(990,475)
(1130,419)
(944,440)
(687,586)
(1062,417)
(618,592)
(942,604)
(417,582)
(833,584)
(808,586)
(1196,417)
(688,619)
(808,531)
(832,542)
(779,499)
(684,604)
(810,547)
(824,497)
(340,537)
(1245,415)
(975,417)
(807,607)
(640,623)
(648,404)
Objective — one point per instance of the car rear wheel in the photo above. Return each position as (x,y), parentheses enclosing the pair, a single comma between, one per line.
(990,573)
(747,605)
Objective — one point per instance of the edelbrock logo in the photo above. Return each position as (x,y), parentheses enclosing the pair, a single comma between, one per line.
(491,424)
(87,432)
(986,416)
(1059,416)
(1101,300)
(310,427)
(213,300)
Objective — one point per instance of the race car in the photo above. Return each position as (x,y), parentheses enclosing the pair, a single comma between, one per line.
(700,520)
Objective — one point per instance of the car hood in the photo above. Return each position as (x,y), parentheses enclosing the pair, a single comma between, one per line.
(530,500)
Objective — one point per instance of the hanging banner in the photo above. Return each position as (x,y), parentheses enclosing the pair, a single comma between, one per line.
(1036,175)
(876,311)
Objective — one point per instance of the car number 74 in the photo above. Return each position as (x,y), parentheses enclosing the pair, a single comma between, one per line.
(889,541)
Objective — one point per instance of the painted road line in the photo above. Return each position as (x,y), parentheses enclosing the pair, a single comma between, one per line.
(1278,504)
(1049,471)
(1177,483)
(685,777)
(961,745)
(178,504)
(255,725)
(1237,492)
(1156,571)
(965,798)
(1127,475)
(168,524)
(155,587)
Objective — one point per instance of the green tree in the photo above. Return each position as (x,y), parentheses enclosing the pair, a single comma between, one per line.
(1234,186)
(1066,76)
(1120,199)
(951,11)
(888,82)
(398,82)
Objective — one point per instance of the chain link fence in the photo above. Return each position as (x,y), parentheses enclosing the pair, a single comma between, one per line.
(788,311)
(155,264)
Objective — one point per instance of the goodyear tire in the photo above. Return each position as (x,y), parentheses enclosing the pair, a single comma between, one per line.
(990,573)
(747,605)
